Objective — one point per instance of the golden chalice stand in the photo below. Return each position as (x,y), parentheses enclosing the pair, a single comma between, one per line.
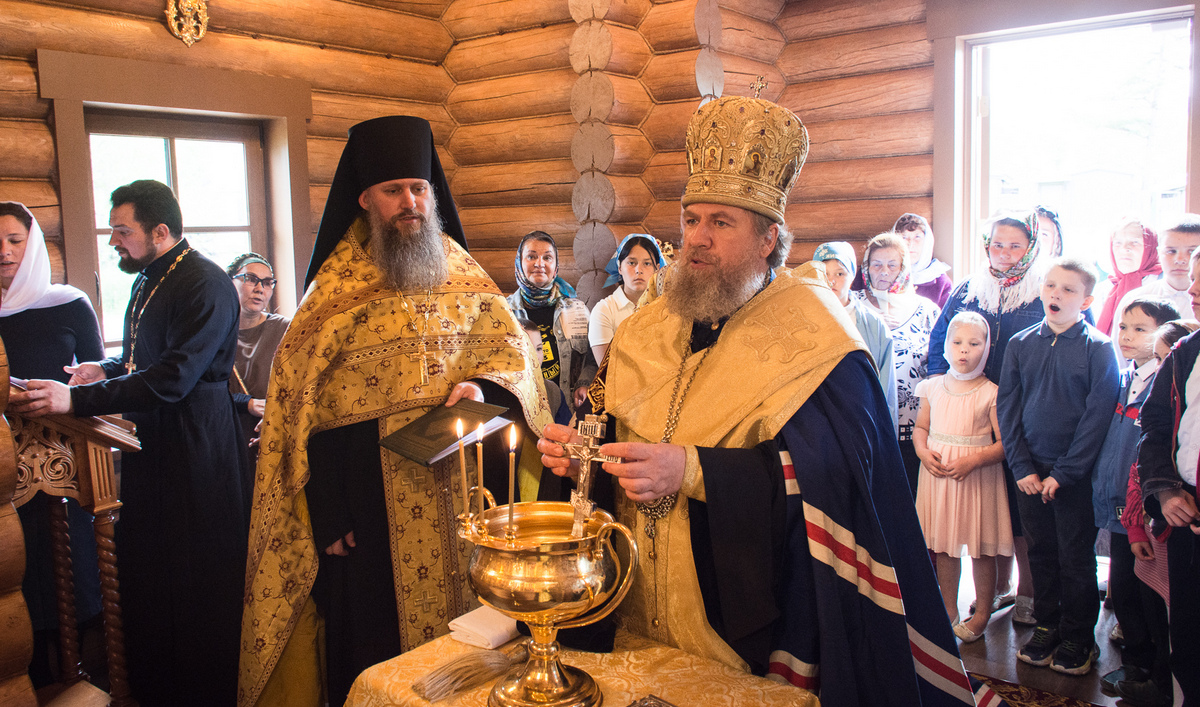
(553,566)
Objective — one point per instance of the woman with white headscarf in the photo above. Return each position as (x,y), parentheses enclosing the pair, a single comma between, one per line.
(46,327)
(929,276)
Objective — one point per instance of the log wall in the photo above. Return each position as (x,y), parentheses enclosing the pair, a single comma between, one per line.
(561,115)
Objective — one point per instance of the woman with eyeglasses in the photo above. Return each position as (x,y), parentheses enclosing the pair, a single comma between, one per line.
(259,334)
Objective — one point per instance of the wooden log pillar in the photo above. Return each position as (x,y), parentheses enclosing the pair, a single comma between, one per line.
(608,103)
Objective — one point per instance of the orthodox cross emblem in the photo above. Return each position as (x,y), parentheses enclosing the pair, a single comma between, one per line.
(759,84)
(591,429)
(425,358)
(775,333)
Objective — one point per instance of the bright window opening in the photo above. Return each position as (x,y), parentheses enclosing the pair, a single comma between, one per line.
(1090,123)
(215,170)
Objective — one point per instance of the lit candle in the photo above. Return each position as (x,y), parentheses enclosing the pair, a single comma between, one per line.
(462,467)
(479,466)
(512,472)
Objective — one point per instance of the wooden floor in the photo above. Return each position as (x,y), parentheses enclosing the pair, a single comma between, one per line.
(995,654)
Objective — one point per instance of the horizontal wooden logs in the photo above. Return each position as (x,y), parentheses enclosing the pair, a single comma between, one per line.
(741,74)
(633,199)
(468,19)
(749,37)
(666,125)
(319,22)
(818,222)
(41,198)
(764,10)
(539,138)
(624,12)
(17,691)
(865,52)
(25,28)
(616,100)
(672,26)
(876,136)
(16,649)
(600,46)
(317,195)
(543,93)
(822,18)
(631,151)
(323,157)
(503,226)
(424,8)
(672,77)
(335,113)
(520,52)
(547,182)
(662,221)
(19,91)
(666,175)
(861,96)
(28,149)
(449,164)
(910,175)
(325,153)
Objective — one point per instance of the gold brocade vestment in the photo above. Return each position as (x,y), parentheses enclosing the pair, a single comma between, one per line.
(353,353)
(770,357)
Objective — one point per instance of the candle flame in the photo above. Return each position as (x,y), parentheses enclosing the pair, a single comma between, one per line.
(479,434)
(512,437)
(458,428)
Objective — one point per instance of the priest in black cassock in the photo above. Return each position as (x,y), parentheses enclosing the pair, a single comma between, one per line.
(354,554)
(181,537)
(776,532)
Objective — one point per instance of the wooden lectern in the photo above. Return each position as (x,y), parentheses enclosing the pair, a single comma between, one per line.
(71,457)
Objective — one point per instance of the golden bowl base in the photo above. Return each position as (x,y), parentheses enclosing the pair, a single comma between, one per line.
(568,687)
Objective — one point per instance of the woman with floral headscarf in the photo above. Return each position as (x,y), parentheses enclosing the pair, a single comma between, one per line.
(1133,248)
(46,327)
(1008,296)
(888,292)
(547,300)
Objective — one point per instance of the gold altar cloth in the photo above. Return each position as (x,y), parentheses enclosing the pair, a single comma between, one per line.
(636,668)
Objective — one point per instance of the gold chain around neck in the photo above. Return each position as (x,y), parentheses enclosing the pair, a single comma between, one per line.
(130,367)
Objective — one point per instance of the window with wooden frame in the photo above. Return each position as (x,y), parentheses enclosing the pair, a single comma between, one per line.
(215,168)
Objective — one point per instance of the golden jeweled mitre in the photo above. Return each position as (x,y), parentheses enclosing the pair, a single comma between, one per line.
(744,152)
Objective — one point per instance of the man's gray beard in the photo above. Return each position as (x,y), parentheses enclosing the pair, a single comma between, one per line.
(709,297)
(411,259)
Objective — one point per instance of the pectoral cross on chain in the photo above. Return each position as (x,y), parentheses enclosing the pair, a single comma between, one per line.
(425,358)
(591,429)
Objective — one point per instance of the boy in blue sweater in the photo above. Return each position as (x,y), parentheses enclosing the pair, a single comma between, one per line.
(1140,612)
(1058,387)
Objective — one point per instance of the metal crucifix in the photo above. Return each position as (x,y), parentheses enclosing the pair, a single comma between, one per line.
(591,429)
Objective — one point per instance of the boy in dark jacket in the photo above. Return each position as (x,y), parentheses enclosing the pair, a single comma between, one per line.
(1135,605)
(1058,387)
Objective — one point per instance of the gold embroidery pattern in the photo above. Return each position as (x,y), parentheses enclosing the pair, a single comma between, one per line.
(343,361)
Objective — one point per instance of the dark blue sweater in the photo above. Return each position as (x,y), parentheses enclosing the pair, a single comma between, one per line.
(1116,456)
(1057,394)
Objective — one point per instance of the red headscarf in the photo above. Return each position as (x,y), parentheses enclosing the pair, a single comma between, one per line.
(1124,282)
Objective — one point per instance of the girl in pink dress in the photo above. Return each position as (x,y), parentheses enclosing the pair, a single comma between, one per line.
(961,498)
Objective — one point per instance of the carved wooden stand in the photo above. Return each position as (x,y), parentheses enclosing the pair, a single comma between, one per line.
(69,457)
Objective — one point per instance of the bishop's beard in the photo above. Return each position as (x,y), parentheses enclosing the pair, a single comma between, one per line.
(711,295)
(411,257)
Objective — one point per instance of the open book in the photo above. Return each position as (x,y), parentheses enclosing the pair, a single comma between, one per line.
(432,436)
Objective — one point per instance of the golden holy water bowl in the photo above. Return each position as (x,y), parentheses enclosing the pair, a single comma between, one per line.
(542,576)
